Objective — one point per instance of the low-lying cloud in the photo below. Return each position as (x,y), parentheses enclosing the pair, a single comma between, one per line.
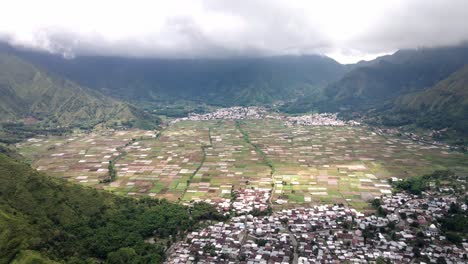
(345,30)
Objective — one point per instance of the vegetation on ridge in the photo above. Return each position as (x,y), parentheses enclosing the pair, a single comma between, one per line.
(52,219)
(33,101)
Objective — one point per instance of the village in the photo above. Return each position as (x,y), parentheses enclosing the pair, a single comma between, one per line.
(323,119)
(255,112)
(232,113)
(331,234)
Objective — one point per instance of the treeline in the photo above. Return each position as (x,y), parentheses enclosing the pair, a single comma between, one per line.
(259,151)
(455,128)
(454,224)
(11,133)
(51,219)
(179,110)
(418,184)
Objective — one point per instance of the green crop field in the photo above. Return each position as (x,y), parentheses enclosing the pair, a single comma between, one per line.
(207,160)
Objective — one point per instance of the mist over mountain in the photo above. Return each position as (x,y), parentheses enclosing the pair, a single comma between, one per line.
(236,81)
(371,83)
(419,88)
(221,131)
(298,83)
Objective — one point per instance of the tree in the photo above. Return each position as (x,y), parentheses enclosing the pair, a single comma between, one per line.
(454,208)
(122,256)
(453,237)
(111,170)
(441,260)
(403,216)
(261,242)
(382,260)
(368,234)
(381,211)
(376,203)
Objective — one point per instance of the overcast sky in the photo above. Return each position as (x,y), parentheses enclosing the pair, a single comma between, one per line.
(345,30)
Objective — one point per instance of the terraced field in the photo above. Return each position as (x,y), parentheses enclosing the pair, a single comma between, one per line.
(208,160)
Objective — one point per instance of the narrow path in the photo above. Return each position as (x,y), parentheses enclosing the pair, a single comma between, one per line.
(294,243)
(203,148)
(265,158)
(122,152)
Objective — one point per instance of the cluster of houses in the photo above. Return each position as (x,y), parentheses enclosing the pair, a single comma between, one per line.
(244,239)
(323,119)
(232,113)
(249,200)
(254,112)
(223,205)
(329,234)
(244,201)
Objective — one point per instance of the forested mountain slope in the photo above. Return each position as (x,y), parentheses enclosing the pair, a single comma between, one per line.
(370,84)
(27,91)
(232,81)
(44,219)
(443,106)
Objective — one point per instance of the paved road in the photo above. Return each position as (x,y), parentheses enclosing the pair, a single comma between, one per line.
(295,245)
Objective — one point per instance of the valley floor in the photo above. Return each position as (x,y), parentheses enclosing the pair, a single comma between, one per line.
(219,161)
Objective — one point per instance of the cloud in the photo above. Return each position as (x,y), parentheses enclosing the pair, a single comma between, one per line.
(346,30)
(414,24)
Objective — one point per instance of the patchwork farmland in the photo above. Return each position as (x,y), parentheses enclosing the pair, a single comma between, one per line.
(83,158)
(217,160)
(344,164)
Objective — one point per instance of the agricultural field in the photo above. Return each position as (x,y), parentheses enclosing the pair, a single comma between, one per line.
(212,159)
(229,163)
(161,167)
(81,158)
(342,164)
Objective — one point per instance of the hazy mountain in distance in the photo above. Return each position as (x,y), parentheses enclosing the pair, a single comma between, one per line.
(405,71)
(234,81)
(442,106)
(373,83)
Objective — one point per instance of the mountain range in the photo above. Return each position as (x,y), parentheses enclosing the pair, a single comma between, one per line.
(398,89)
(369,84)
(422,87)
(443,106)
(29,92)
(224,82)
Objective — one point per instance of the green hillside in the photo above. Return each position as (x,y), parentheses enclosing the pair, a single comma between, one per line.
(370,84)
(30,93)
(43,219)
(449,96)
(442,106)
(226,82)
